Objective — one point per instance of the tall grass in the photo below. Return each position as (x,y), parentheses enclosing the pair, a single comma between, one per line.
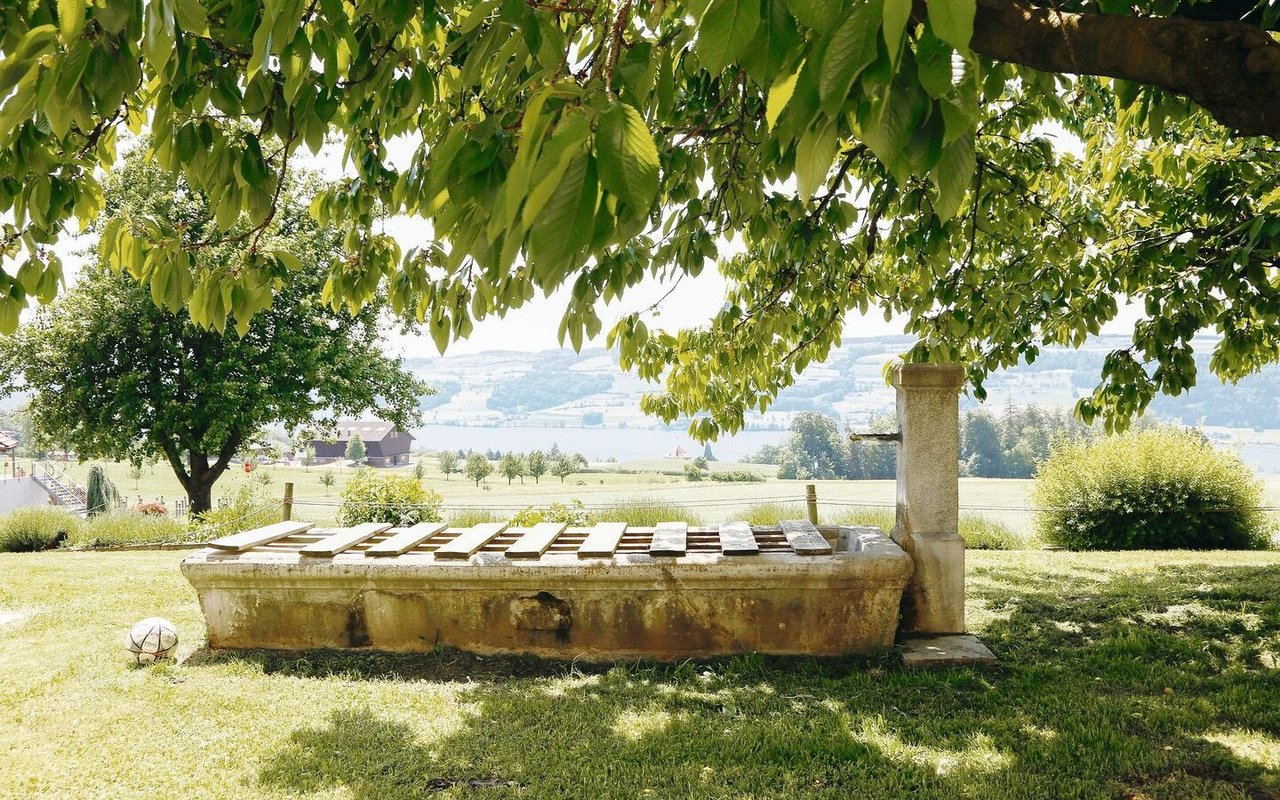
(468,517)
(128,527)
(643,512)
(978,532)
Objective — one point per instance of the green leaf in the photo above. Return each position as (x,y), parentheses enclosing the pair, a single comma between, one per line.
(952,20)
(819,15)
(779,95)
(71,19)
(851,49)
(773,42)
(726,29)
(814,155)
(896,14)
(952,175)
(627,155)
(192,16)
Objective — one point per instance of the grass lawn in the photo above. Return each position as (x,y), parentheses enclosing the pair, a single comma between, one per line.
(1121,676)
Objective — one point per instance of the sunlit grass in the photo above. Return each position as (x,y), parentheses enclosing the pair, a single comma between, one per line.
(1120,676)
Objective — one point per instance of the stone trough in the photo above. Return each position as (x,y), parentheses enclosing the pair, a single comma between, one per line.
(615,592)
(599,593)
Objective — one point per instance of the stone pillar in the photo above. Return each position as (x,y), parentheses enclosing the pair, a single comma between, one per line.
(929,495)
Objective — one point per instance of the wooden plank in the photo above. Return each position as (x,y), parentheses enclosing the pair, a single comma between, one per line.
(535,541)
(736,539)
(804,538)
(344,539)
(239,542)
(602,540)
(471,540)
(669,539)
(406,540)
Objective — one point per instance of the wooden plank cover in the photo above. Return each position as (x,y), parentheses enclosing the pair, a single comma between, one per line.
(471,540)
(535,541)
(804,538)
(669,539)
(406,540)
(602,540)
(239,542)
(344,539)
(736,539)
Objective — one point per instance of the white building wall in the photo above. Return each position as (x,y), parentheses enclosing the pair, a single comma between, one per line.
(21,492)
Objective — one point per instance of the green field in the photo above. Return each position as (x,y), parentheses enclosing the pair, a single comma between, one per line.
(1141,675)
(641,480)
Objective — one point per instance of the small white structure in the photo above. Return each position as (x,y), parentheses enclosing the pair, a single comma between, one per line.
(678,452)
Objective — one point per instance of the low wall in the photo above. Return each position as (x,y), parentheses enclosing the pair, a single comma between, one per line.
(20,493)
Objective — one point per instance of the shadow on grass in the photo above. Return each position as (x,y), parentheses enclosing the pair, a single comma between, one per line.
(1157,684)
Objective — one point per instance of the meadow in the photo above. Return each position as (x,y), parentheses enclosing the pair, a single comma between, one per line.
(1138,675)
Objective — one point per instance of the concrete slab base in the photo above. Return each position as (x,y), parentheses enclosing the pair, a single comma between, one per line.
(951,650)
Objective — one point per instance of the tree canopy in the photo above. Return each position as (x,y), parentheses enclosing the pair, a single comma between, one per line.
(114,375)
(996,172)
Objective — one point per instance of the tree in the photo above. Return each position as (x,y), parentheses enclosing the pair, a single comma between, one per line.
(706,452)
(135,472)
(565,465)
(448,461)
(814,449)
(478,467)
(512,466)
(327,480)
(980,446)
(355,450)
(117,376)
(308,456)
(867,153)
(536,464)
(101,495)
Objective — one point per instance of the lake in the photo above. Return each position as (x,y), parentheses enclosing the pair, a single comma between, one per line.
(597,444)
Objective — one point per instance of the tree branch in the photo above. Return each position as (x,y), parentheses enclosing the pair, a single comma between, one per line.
(1231,69)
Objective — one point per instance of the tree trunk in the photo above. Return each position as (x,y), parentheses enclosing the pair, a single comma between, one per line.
(199,484)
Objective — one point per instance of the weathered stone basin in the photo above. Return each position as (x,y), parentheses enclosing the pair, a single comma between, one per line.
(842,598)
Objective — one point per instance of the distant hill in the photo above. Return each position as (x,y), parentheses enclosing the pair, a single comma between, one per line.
(560,388)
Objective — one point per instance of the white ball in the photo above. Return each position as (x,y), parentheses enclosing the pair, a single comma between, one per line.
(151,639)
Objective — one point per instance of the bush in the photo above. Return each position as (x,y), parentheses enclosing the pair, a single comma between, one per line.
(152,508)
(643,513)
(249,508)
(736,476)
(27,530)
(573,514)
(1153,489)
(129,527)
(398,499)
(692,473)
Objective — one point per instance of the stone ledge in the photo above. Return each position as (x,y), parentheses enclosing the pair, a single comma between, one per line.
(950,650)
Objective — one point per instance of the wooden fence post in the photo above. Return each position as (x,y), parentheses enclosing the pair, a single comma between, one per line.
(286,512)
(811,499)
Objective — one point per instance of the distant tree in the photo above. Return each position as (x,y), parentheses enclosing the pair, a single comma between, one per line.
(512,466)
(419,471)
(981,448)
(707,454)
(767,454)
(135,473)
(554,452)
(308,456)
(814,449)
(700,463)
(101,495)
(355,450)
(478,467)
(118,365)
(327,480)
(448,463)
(536,464)
(872,460)
(564,465)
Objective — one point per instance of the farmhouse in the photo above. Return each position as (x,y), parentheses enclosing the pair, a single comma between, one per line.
(384,444)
